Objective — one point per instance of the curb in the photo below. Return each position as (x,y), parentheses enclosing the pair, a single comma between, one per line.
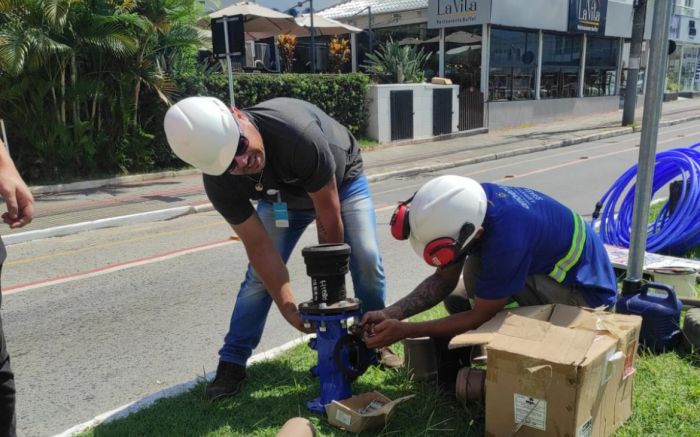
(166,214)
(495,156)
(87,185)
(144,217)
(97,183)
(133,407)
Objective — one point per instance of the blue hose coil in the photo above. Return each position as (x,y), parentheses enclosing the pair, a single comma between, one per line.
(670,233)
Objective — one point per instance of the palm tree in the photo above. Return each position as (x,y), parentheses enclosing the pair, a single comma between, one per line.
(165,29)
(68,66)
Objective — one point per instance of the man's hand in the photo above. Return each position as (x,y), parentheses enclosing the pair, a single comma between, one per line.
(370,319)
(386,333)
(18,198)
(294,319)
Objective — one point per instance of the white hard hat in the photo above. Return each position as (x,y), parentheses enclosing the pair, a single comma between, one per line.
(203,133)
(442,207)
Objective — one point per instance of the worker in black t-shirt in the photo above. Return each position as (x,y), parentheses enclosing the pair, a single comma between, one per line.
(300,165)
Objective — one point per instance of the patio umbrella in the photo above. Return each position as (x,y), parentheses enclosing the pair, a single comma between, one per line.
(461,49)
(259,19)
(323,26)
(410,41)
(460,37)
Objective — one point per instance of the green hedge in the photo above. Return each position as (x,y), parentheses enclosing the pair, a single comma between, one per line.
(342,96)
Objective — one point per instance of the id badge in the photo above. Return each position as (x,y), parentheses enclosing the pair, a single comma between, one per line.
(281,214)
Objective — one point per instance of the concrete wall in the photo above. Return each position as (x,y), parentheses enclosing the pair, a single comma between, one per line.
(379,104)
(518,113)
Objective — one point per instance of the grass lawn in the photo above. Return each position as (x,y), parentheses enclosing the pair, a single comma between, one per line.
(666,403)
(367,144)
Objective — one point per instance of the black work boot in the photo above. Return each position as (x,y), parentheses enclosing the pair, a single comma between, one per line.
(228,381)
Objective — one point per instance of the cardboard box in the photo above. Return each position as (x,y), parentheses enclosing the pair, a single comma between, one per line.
(362,412)
(556,369)
(441,81)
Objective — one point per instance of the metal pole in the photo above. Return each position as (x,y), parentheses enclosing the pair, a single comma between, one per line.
(353,50)
(369,27)
(441,51)
(640,11)
(653,100)
(228,64)
(313,32)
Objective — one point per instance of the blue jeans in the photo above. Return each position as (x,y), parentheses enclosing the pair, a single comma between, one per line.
(253,301)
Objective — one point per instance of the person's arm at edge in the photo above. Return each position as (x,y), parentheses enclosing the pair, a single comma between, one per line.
(17,196)
(329,222)
(266,261)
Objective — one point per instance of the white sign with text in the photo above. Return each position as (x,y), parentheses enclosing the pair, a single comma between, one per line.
(454,13)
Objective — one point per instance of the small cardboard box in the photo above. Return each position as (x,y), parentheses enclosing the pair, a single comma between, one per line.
(556,369)
(362,412)
(441,81)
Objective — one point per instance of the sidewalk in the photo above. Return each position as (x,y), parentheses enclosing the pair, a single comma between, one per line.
(76,207)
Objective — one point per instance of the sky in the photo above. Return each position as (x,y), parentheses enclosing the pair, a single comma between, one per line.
(286,4)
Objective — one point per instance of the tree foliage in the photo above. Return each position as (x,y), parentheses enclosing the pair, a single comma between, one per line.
(83,84)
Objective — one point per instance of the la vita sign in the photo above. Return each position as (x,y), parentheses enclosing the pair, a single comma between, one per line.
(453,13)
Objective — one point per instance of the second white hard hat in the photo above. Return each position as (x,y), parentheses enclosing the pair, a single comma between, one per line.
(203,133)
(442,206)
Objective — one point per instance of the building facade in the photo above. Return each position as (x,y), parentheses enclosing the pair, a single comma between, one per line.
(531,61)
(683,75)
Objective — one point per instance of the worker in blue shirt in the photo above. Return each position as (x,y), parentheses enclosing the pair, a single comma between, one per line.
(508,243)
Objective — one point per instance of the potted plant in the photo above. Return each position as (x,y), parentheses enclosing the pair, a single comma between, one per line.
(286,44)
(672,88)
(338,54)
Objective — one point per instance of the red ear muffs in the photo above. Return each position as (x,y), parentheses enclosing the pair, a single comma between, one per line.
(441,251)
(399,222)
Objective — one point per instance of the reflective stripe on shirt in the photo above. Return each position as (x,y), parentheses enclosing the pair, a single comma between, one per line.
(562,267)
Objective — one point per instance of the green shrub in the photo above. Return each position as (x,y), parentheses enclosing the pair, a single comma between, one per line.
(342,96)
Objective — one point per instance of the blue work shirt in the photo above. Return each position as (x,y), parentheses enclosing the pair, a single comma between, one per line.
(526,233)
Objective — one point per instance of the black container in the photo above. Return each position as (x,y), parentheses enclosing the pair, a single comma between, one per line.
(327,265)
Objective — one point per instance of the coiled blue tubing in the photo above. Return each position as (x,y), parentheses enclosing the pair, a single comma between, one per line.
(669,233)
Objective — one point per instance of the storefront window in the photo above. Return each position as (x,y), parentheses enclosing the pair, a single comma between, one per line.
(561,63)
(601,67)
(463,56)
(415,35)
(674,71)
(513,64)
(688,66)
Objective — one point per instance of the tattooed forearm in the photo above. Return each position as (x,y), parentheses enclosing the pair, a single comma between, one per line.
(426,295)
(322,233)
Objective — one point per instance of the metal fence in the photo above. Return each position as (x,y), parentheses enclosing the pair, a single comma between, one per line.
(471,109)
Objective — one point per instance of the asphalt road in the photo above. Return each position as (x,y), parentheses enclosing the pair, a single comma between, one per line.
(99,319)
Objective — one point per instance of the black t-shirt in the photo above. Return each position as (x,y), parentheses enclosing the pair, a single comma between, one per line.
(304,148)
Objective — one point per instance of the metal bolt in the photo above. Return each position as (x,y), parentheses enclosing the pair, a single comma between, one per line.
(307,325)
(322,327)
